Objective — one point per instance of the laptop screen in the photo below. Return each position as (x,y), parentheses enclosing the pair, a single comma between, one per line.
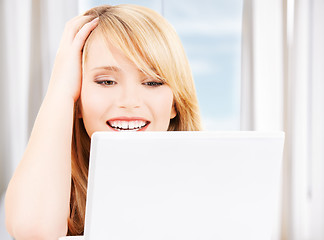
(183,185)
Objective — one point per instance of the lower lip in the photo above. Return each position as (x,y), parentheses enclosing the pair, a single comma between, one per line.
(140,130)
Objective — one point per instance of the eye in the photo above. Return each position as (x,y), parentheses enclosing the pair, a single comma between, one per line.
(106,82)
(154,83)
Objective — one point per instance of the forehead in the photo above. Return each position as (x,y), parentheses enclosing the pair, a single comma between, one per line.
(101,53)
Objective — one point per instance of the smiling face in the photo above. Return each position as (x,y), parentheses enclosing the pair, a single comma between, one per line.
(117,96)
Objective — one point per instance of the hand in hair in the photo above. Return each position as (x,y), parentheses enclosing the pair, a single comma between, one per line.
(38,196)
(66,75)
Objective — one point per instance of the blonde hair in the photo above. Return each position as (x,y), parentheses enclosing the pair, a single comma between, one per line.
(151,43)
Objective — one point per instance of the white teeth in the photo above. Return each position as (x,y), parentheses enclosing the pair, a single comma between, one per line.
(124,125)
(127,125)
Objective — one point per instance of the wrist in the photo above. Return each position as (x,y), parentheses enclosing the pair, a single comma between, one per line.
(59,96)
(61,92)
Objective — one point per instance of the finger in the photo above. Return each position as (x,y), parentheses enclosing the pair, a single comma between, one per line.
(84,32)
(81,16)
(73,26)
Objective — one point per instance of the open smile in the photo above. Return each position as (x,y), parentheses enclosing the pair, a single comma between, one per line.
(122,124)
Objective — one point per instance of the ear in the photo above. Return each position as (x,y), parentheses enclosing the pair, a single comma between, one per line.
(173,113)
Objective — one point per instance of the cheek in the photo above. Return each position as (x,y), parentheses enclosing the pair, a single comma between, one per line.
(161,105)
(94,99)
(93,104)
(89,102)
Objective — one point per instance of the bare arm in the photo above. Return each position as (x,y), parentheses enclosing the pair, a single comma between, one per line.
(38,195)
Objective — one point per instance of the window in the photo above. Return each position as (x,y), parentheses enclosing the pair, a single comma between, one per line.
(210,31)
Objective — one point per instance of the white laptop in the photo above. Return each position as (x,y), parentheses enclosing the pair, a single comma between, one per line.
(183,185)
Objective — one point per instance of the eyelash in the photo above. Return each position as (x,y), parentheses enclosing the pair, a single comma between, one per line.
(106,82)
(111,82)
(153,84)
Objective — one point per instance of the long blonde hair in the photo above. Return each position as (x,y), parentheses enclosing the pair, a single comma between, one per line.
(151,43)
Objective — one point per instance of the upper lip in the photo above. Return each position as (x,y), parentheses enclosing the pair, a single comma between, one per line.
(128,119)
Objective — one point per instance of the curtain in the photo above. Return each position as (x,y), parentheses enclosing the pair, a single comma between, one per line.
(30,34)
(282,89)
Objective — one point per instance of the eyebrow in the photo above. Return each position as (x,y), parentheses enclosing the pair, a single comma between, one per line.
(108,68)
(113,69)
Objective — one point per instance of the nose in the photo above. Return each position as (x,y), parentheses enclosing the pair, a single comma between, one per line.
(129,97)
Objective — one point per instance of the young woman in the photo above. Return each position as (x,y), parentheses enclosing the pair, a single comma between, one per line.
(118,68)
